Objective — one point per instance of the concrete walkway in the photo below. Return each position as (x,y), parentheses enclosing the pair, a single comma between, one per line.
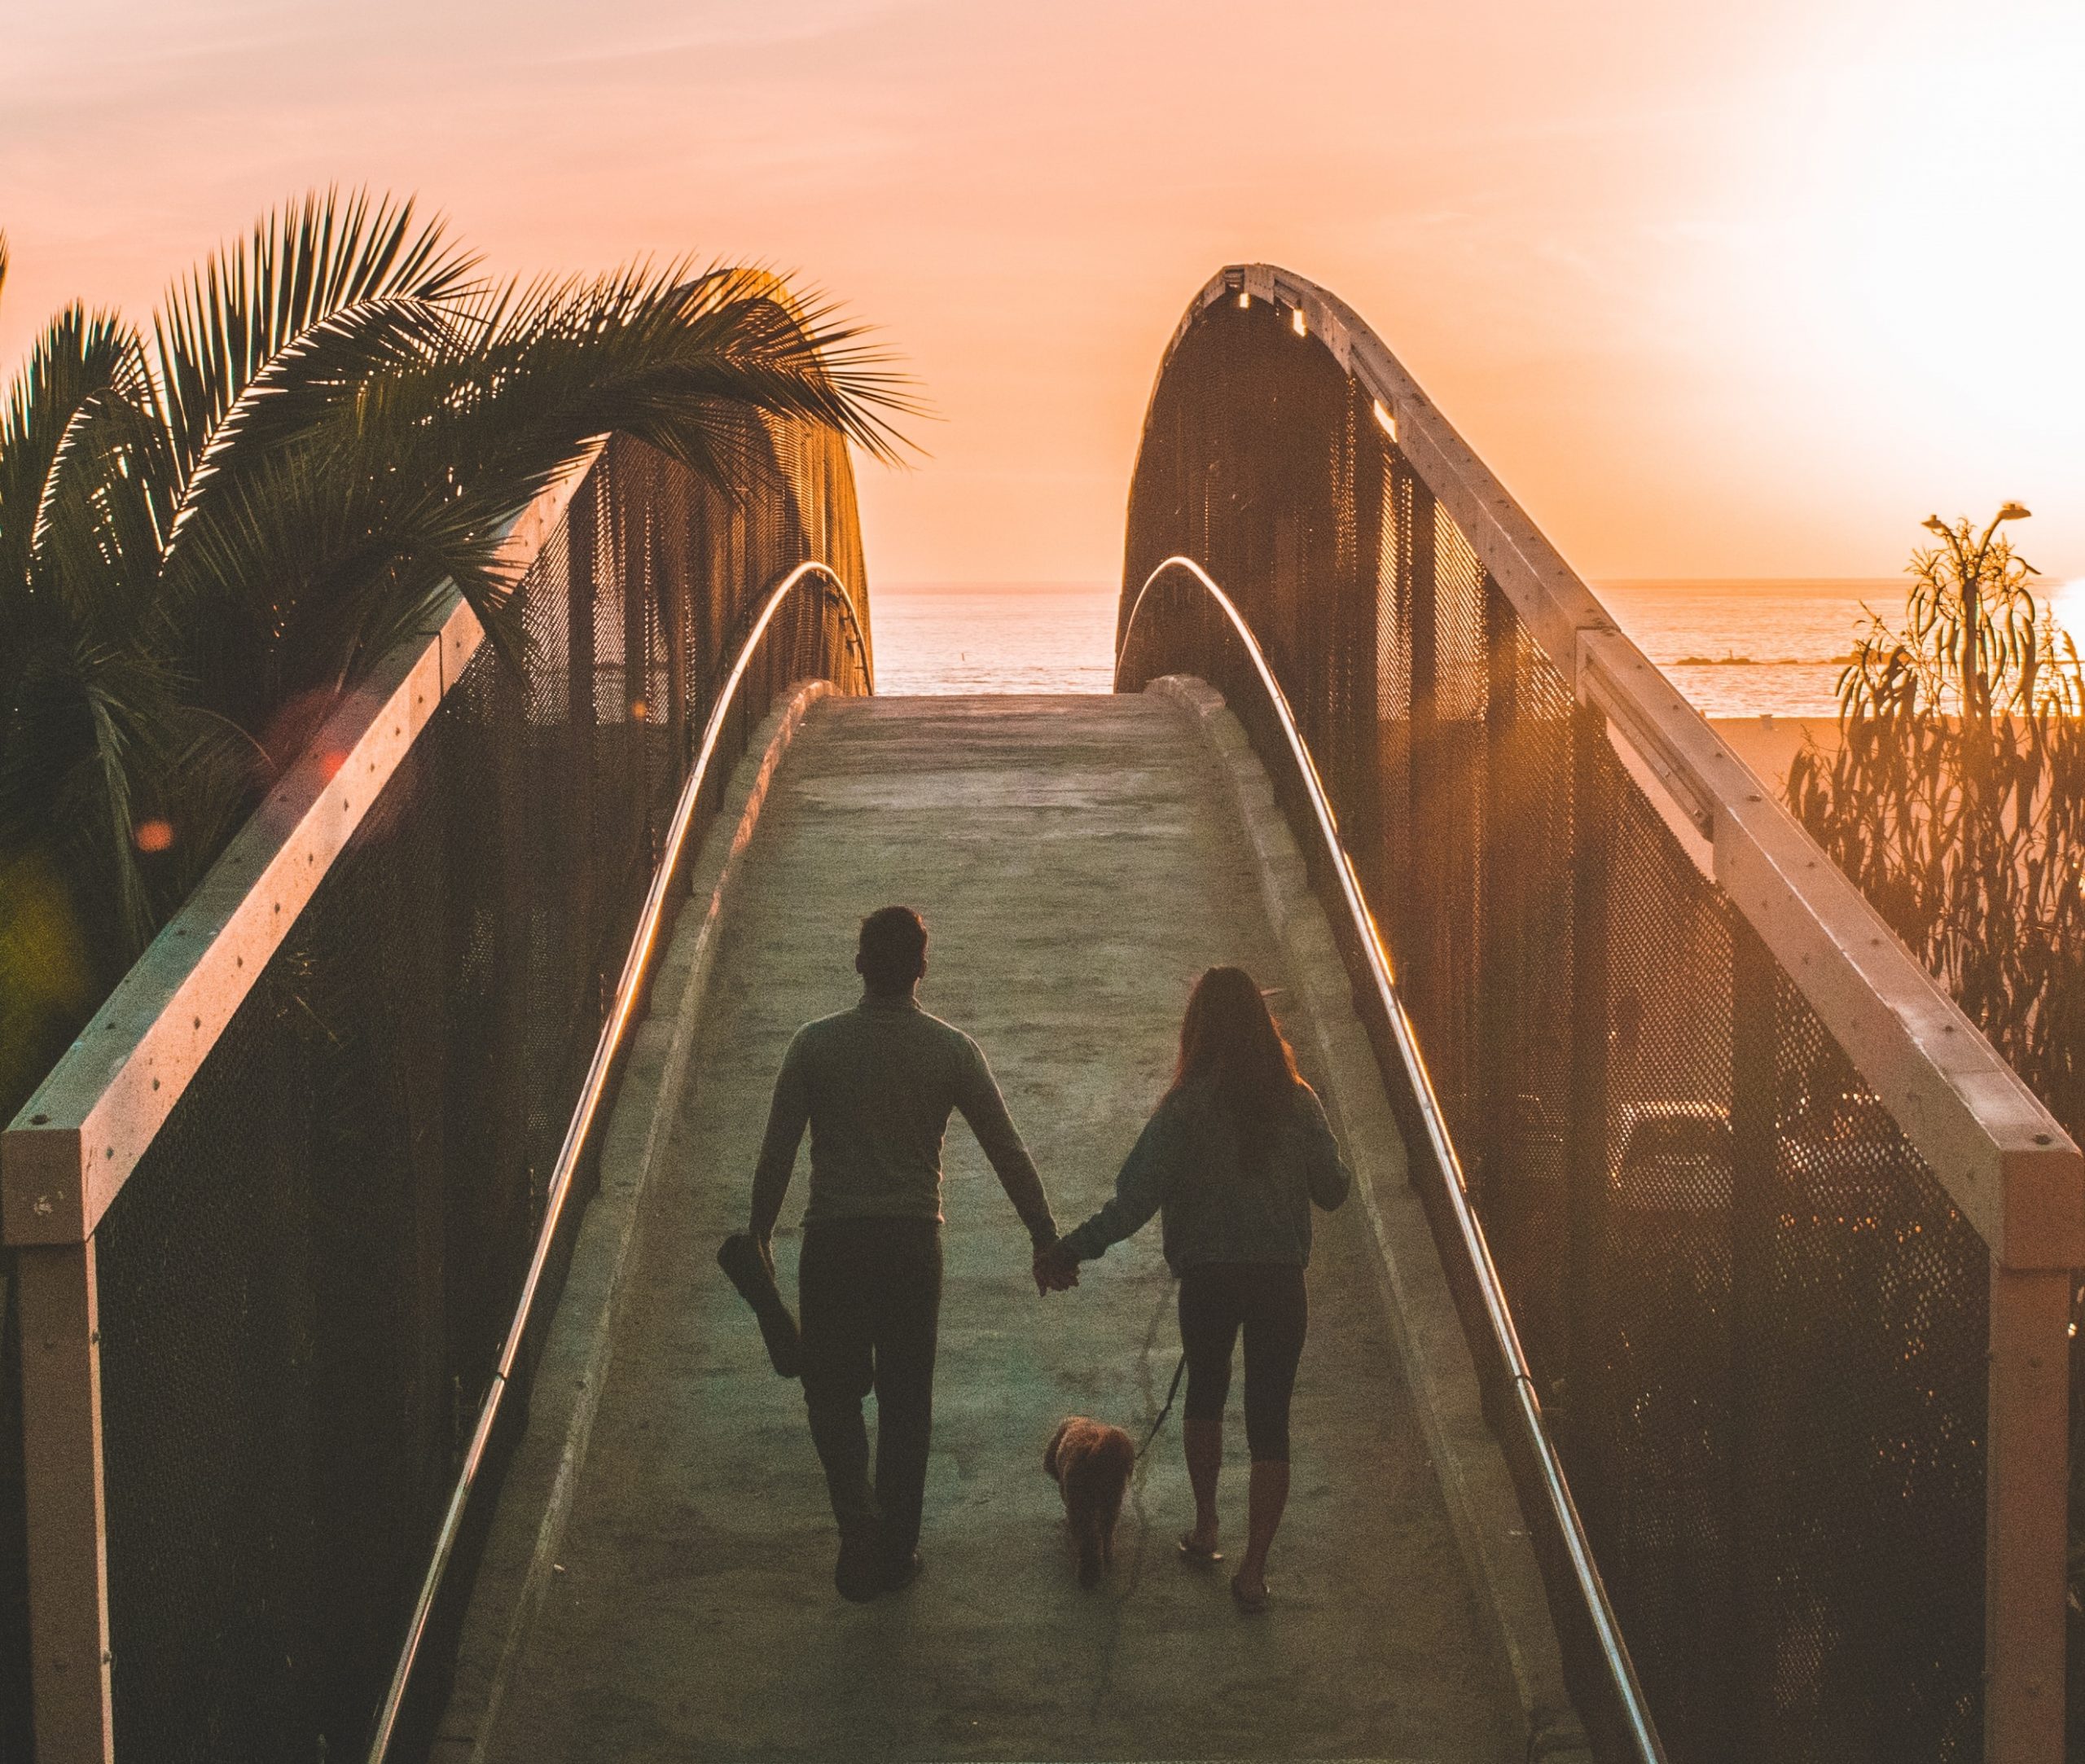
(1079,861)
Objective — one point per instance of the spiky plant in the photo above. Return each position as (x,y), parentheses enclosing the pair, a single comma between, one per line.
(330,422)
(1955,797)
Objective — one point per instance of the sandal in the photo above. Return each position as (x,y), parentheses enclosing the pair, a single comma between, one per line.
(1194,1552)
(1251,1604)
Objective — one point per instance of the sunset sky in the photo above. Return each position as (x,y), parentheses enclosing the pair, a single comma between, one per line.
(1716,289)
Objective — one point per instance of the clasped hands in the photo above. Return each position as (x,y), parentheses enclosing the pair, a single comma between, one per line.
(1055,1269)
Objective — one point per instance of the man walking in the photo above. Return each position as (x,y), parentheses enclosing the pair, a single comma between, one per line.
(876,1085)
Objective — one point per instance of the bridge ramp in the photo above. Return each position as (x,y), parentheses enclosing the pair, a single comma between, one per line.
(1079,860)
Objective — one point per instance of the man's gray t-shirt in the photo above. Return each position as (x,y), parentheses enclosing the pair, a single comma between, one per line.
(876,1085)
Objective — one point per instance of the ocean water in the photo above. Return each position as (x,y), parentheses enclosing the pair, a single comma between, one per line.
(1736,648)
(1752,648)
(1022,636)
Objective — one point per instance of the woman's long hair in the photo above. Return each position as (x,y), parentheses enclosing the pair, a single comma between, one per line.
(1230,1037)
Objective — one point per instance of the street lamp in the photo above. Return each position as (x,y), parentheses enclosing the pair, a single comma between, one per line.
(2006,511)
(2009,511)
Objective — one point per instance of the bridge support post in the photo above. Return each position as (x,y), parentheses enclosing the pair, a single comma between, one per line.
(2027,1493)
(1755,1119)
(67,1518)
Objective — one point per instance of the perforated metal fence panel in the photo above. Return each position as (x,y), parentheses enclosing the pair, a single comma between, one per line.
(305,1283)
(1757,1325)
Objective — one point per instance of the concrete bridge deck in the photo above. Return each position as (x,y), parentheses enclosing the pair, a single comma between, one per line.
(1079,860)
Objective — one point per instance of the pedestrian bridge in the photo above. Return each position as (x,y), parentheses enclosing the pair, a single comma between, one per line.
(1688,1378)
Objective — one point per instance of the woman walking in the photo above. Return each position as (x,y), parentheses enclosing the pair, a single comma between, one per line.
(1234,1156)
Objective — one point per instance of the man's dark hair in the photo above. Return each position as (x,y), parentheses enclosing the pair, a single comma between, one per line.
(893,949)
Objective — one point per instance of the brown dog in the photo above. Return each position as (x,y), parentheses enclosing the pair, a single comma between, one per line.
(1091,1463)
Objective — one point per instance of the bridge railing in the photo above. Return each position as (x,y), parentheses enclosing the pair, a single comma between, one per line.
(276,1212)
(1225,645)
(1784,1242)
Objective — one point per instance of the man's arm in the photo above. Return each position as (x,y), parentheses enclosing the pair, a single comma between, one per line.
(787,1116)
(978,1095)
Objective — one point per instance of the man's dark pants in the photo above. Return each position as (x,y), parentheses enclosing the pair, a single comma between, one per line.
(870,1290)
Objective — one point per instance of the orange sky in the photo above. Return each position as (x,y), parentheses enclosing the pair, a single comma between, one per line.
(1716,289)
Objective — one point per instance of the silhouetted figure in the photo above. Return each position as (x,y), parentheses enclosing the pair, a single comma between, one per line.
(1233,1157)
(876,1085)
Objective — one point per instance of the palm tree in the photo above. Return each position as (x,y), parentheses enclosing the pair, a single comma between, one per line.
(331,423)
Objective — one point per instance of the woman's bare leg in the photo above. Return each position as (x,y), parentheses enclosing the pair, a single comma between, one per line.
(1203,1443)
(1267,1494)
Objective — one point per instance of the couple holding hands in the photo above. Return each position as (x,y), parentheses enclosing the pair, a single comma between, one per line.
(1233,1159)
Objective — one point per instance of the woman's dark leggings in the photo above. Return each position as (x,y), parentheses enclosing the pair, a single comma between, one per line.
(1266,1300)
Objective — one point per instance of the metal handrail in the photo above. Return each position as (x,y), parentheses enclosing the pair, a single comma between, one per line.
(1592,1589)
(2006,1162)
(636,973)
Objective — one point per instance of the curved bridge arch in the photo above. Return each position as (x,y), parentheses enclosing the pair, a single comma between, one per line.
(1692,1081)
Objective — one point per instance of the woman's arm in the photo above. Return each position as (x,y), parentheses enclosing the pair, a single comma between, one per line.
(1139,1190)
(1323,1167)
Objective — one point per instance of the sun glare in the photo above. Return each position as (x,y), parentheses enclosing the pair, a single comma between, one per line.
(1942,211)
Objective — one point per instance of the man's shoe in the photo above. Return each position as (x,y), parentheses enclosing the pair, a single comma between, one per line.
(859,1575)
(898,1576)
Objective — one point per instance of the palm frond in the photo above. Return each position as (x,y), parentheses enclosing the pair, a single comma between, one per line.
(344,529)
(96,550)
(218,331)
(81,357)
(333,359)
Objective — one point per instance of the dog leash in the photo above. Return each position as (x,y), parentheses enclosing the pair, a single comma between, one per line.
(1178,1372)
